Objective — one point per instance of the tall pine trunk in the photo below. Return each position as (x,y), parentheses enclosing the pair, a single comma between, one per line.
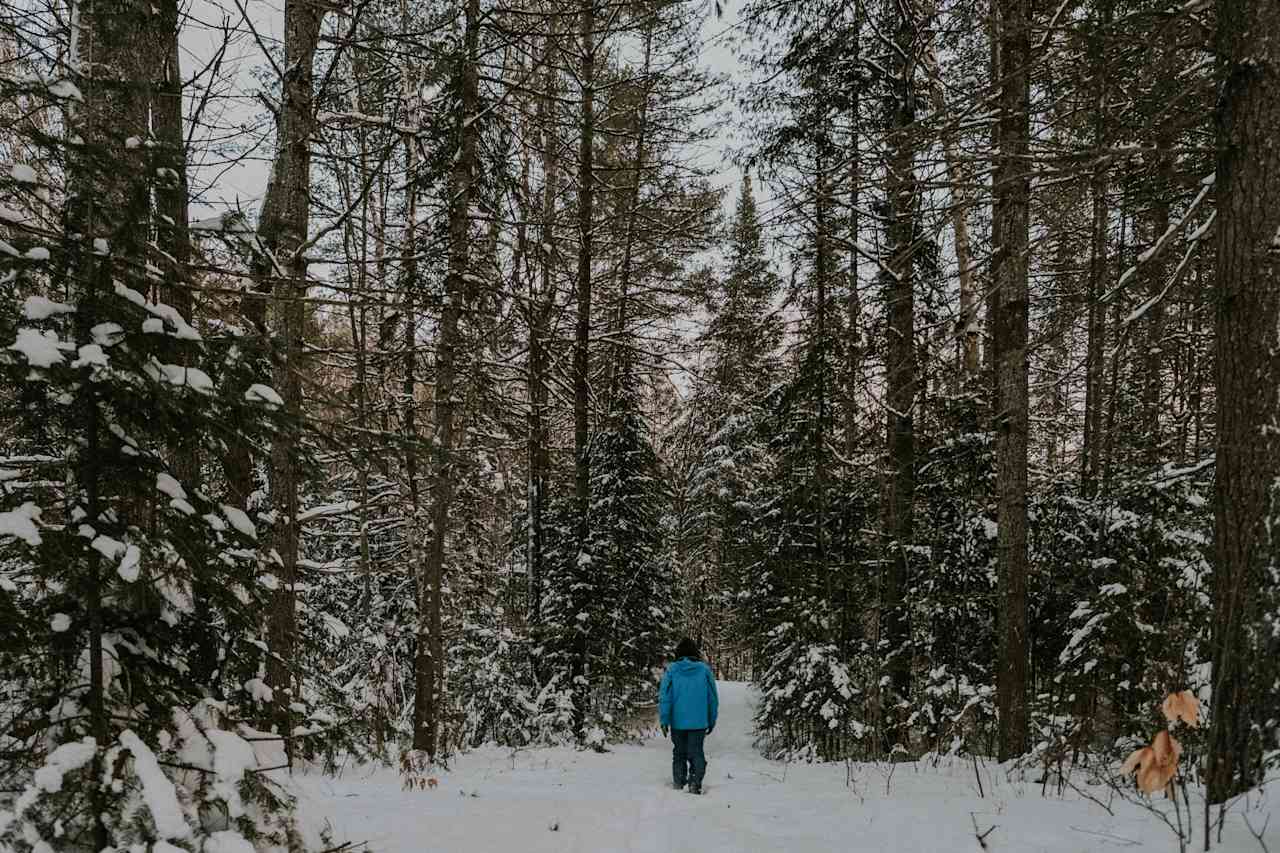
(1248,375)
(1010,232)
(107,199)
(901,379)
(429,668)
(541,300)
(173,238)
(582,347)
(622,358)
(958,177)
(1099,219)
(1157,276)
(282,270)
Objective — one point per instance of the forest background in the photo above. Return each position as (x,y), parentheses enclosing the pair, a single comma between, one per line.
(964,442)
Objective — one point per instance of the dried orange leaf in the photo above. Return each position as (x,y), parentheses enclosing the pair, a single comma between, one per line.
(1166,749)
(1155,777)
(1182,706)
(1139,758)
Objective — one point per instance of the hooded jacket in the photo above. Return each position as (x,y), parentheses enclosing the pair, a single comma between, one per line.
(687,698)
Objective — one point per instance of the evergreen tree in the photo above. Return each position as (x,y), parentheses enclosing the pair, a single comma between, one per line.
(133,599)
(635,609)
(743,338)
(744,332)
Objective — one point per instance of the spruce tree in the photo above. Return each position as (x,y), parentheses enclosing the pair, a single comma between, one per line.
(743,337)
(633,618)
(104,548)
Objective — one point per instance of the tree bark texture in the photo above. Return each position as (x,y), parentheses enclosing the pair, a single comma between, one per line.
(901,376)
(282,270)
(958,176)
(430,656)
(541,302)
(108,198)
(620,366)
(582,335)
(1011,236)
(1248,377)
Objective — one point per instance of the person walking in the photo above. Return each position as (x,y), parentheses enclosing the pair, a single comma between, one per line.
(687,708)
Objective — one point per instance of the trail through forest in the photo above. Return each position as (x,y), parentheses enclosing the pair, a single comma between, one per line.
(571,801)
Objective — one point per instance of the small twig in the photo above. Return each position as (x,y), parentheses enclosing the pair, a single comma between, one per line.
(269,769)
(347,846)
(1257,834)
(978,834)
(976,775)
(1128,842)
(1171,792)
(1091,798)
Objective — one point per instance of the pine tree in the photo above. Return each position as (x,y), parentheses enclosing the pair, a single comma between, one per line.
(743,337)
(633,617)
(119,576)
(744,332)
(1248,376)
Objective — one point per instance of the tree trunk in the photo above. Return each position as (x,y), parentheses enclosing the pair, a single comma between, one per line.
(108,199)
(853,304)
(901,380)
(1248,374)
(422,671)
(1157,277)
(622,358)
(1011,236)
(582,341)
(282,270)
(958,176)
(823,267)
(1091,450)
(427,717)
(173,238)
(541,300)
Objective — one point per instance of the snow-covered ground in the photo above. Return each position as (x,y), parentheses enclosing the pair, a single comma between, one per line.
(563,800)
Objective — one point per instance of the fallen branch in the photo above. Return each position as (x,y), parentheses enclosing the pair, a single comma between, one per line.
(979,834)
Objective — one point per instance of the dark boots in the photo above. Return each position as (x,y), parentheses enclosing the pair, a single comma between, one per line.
(687,758)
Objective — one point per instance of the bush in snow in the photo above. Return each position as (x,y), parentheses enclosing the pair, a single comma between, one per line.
(202,786)
(1130,579)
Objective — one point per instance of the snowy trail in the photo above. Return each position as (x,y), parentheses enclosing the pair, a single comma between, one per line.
(566,801)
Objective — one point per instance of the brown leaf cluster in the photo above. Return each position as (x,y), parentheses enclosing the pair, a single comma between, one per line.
(1182,706)
(1157,765)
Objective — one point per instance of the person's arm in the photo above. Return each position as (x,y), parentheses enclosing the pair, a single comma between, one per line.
(664,701)
(713,701)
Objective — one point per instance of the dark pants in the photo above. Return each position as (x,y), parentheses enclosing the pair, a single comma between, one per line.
(687,760)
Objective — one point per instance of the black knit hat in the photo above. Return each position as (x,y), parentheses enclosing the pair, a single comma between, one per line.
(687,648)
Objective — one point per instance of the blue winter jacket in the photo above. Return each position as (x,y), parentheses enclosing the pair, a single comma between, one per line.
(687,698)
